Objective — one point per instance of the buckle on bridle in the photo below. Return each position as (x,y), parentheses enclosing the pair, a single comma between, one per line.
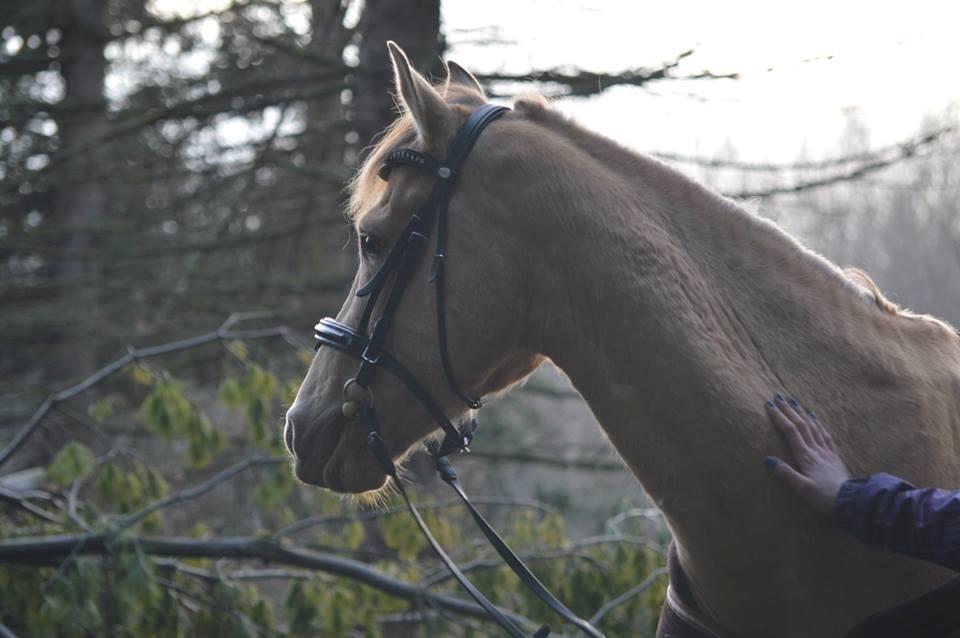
(373,359)
(450,443)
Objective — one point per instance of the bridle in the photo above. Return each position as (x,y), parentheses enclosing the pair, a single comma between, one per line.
(367,345)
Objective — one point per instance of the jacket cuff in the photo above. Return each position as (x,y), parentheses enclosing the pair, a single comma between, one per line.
(847,505)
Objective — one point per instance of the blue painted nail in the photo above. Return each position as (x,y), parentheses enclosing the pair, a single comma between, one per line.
(793,402)
(769,403)
(771,462)
(780,397)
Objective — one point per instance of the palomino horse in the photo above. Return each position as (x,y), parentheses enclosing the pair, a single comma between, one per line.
(675,313)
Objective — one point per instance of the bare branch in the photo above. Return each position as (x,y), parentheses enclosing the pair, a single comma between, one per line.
(314,521)
(627,595)
(23,501)
(197,490)
(827,164)
(906,152)
(595,465)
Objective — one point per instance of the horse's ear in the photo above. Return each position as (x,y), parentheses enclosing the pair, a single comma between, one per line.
(456,74)
(418,98)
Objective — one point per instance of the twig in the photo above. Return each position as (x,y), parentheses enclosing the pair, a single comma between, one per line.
(613,539)
(196,490)
(23,501)
(492,563)
(555,461)
(907,151)
(627,595)
(438,504)
(72,506)
(240,574)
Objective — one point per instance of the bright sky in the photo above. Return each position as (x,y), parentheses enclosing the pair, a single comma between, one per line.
(807,67)
(895,63)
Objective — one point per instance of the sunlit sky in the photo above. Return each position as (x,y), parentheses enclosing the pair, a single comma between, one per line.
(807,68)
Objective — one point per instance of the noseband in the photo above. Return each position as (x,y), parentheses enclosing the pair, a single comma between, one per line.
(367,346)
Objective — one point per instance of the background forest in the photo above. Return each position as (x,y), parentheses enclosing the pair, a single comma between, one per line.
(171,190)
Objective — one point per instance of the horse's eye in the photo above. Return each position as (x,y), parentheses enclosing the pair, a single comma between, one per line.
(369,245)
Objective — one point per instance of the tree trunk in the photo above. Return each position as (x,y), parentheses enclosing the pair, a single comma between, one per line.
(79,205)
(415,26)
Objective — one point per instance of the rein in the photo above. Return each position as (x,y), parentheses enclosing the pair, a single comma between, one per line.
(367,346)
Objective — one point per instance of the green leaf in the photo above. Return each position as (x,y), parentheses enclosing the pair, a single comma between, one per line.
(102,410)
(231,393)
(165,410)
(353,534)
(141,375)
(239,349)
(74,461)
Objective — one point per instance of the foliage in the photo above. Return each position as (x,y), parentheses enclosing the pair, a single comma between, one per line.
(124,590)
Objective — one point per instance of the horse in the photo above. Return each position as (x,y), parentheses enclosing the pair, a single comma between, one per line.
(675,313)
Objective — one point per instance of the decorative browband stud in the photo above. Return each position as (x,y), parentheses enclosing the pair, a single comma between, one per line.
(444,172)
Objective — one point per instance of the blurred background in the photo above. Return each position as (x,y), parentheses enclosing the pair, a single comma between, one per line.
(171,190)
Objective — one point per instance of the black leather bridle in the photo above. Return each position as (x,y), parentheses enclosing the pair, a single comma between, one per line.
(367,346)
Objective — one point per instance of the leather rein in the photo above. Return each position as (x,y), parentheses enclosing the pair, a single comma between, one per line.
(367,345)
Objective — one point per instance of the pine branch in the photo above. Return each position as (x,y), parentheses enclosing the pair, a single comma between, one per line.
(580,82)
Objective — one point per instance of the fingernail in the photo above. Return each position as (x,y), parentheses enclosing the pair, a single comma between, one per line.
(812,415)
(793,402)
(780,397)
(771,462)
(769,403)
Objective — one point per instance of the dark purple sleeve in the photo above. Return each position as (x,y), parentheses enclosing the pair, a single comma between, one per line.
(888,512)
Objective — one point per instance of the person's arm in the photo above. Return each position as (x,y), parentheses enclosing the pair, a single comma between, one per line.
(888,512)
(881,510)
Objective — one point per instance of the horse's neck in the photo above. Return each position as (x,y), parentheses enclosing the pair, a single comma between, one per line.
(685,314)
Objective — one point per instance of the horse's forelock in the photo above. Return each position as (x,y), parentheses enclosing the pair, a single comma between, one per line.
(366,187)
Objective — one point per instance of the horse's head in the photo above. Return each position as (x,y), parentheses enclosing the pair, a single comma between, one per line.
(490,328)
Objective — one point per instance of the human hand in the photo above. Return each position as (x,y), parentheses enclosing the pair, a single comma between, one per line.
(819,470)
